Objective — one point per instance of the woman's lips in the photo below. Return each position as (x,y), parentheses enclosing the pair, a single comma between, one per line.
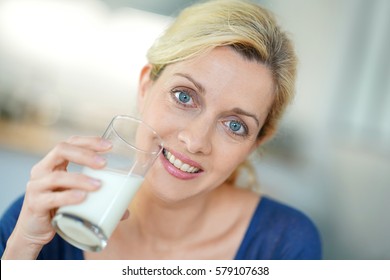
(179,165)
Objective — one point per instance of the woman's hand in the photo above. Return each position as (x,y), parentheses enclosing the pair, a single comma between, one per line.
(50,187)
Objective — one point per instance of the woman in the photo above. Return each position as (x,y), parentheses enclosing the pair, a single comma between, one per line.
(217,82)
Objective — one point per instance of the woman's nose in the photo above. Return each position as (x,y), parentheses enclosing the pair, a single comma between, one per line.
(197,136)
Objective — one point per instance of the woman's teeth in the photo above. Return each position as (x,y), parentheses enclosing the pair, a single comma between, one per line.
(179,164)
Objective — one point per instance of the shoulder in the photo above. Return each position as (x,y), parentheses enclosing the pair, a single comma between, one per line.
(8,222)
(9,219)
(282,216)
(57,249)
(278,231)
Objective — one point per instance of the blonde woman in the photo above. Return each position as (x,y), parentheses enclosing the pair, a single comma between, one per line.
(215,87)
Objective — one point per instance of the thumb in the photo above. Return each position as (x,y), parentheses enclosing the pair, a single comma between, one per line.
(125,215)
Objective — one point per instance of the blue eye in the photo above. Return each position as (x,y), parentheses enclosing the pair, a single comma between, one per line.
(184,97)
(235,126)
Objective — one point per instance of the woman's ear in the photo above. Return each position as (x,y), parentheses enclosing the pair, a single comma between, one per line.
(144,84)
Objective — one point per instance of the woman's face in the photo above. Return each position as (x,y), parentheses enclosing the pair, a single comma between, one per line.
(208,111)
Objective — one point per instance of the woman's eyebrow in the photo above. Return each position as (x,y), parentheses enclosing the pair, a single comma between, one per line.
(196,84)
(240,111)
(201,89)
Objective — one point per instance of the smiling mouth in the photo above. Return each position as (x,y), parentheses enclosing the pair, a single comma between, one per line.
(185,167)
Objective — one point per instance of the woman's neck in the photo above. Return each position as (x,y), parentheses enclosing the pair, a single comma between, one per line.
(167,223)
(211,226)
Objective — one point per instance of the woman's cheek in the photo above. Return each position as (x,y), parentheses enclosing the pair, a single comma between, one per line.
(160,121)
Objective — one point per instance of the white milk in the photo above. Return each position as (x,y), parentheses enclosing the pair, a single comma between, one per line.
(103,208)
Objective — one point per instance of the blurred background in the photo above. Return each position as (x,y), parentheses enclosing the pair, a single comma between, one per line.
(67,66)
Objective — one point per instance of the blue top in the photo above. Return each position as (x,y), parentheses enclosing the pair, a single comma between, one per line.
(276,232)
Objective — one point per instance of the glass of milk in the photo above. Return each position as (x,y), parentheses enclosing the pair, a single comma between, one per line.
(135,146)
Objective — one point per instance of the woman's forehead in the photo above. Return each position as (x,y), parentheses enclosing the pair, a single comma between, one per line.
(225,77)
(223,68)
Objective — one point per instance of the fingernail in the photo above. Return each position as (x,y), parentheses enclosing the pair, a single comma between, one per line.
(95,182)
(105,143)
(99,160)
(79,193)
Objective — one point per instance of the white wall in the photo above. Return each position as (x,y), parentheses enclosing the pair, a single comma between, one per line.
(339,124)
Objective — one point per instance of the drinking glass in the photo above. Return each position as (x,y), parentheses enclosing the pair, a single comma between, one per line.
(135,146)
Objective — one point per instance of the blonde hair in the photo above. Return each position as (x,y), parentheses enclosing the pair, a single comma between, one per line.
(249,29)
